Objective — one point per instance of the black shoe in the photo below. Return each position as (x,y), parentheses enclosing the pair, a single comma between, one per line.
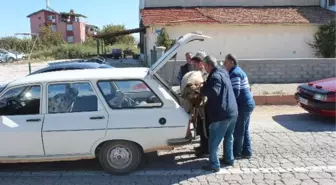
(242,156)
(210,169)
(224,163)
(199,153)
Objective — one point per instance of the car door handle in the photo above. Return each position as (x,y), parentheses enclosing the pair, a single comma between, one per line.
(33,120)
(97,117)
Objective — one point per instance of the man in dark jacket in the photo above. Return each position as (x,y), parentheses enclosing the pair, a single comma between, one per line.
(221,111)
(186,67)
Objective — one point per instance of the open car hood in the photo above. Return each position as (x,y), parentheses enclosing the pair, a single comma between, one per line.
(182,41)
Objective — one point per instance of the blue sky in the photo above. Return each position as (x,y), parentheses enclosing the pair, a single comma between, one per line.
(99,12)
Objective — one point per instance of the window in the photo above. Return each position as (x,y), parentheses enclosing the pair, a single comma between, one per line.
(128,94)
(53,28)
(21,101)
(331,2)
(70,39)
(71,97)
(51,18)
(69,27)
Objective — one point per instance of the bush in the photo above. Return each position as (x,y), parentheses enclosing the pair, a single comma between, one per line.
(72,51)
(324,41)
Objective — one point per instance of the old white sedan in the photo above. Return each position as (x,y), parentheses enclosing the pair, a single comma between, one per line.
(115,115)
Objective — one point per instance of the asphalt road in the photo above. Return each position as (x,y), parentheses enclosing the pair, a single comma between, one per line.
(290,147)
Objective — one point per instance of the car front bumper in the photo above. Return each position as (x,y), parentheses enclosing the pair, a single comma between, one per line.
(316,107)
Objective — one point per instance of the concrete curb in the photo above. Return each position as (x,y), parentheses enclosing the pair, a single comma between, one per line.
(275,100)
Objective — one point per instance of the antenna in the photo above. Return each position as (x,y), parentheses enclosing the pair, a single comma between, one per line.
(47,4)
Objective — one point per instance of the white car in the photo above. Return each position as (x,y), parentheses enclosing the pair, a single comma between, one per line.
(115,115)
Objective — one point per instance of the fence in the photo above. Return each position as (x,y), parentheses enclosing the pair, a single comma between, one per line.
(271,70)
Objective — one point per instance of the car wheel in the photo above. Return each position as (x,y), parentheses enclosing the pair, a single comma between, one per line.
(10,60)
(120,157)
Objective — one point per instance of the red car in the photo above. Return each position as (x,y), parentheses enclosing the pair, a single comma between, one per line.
(318,97)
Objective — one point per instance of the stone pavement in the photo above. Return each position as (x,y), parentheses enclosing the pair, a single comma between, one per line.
(290,147)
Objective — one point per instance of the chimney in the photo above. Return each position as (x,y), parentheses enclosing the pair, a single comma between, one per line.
(47,4)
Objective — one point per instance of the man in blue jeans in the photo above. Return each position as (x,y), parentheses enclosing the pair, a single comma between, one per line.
(242,141)
(222,113)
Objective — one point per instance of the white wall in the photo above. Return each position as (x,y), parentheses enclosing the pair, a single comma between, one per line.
(187,3)
(247,42)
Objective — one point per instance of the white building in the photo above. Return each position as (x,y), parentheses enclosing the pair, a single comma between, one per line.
(248,28)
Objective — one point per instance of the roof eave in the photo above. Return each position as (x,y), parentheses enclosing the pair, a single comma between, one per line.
(235,24)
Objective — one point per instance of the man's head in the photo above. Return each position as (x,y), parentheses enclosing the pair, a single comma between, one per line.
(198,63)
(188,57)
(209,63)
(201,54)
(230,62)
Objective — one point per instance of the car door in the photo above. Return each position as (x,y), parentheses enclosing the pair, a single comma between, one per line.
(74,120)
(21,121)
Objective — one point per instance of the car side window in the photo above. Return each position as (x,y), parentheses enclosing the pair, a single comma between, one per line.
(128,94)
(21,101)
(71,97)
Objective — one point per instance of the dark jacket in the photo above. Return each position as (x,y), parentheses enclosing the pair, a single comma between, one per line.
(184,70)
(221,99)
(241,87)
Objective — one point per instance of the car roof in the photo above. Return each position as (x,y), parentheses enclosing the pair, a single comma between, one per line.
(84,75)
(79,65)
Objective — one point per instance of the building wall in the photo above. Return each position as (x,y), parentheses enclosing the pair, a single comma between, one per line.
(188,3)
(61,28)
(271,70)
(79,32)
(36,22)
(247,42)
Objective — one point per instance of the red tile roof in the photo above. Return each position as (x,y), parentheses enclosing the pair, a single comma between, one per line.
(233,15)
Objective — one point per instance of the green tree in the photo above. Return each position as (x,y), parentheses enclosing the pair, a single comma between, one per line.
(50,38)
(124,39)
(164,40)
(324,41)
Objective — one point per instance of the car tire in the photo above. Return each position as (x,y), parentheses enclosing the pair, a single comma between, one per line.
(10,60)
(120,157)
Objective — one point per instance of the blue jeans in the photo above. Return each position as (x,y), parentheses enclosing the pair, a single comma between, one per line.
(218,131)
(242,140)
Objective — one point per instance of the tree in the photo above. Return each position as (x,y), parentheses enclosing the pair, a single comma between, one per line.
(124,39)
(164,40)
(324,41)
(50,38)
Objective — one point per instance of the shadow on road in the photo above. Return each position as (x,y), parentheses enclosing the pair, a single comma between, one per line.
(306,122)
(159,167)
(152,161)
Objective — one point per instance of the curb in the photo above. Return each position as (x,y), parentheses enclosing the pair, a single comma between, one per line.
(275,100)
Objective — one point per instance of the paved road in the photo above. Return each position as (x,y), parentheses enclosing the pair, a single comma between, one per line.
(290,147)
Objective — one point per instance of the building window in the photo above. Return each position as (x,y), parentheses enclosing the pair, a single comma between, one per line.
(69,27)
(70,39)
(51,18)
(53,28)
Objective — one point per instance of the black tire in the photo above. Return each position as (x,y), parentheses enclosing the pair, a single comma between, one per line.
(132,150)
(10,60)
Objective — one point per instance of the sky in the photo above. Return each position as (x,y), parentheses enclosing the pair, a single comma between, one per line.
(99,12)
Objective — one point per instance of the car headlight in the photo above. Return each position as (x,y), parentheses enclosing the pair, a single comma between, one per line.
(321,97)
